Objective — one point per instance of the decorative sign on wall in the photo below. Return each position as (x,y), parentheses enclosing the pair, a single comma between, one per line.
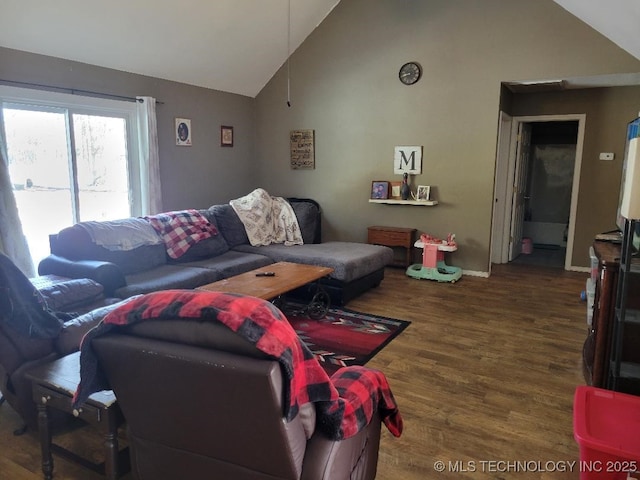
(407,160)
(302,149)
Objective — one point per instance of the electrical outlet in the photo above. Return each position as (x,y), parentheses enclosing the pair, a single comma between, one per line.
(606,156)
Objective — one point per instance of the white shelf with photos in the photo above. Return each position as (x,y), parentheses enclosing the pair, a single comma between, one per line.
(389,193)
(393,201)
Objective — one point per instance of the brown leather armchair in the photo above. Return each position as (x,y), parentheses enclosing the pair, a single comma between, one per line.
(201,402)
(20,353)
(34,330)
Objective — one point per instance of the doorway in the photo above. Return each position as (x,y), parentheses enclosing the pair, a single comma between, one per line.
(537,177)
(547,199)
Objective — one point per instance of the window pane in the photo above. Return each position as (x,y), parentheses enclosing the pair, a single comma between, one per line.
(45,153)
(39,171)
(101,156)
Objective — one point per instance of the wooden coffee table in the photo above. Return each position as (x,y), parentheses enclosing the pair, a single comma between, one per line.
(287,277)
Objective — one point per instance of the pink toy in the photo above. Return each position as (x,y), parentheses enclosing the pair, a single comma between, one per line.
(433,264)
(433,249)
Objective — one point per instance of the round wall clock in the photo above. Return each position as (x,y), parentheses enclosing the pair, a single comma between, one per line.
(410,73)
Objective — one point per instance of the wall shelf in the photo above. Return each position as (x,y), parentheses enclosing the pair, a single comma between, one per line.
(390,201)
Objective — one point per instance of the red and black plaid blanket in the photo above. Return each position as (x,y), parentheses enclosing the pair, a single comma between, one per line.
(345,403)
(181,230)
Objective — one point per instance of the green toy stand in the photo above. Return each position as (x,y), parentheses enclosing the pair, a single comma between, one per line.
(433,265)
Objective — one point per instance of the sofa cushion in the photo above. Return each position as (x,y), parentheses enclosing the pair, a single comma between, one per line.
(166,277)
(67,294)
(75,243)
(308,216)
(207,248)
(230,225)
(210,247)
(349,260)
(181,229)
(107,274)
(232,263)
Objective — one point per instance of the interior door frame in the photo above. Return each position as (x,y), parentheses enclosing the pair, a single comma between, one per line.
(519,187)
(505,173)
(500,187)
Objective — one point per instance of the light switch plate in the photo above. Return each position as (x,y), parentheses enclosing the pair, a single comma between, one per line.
(606,156)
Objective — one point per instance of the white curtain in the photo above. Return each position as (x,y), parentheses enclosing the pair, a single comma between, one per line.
(12,240)
(150,160)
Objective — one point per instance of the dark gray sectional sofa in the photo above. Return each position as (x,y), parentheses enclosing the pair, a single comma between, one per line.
(357,266)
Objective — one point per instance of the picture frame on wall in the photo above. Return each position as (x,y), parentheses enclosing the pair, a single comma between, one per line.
(226,136)
(394,191)
(379,190)
(423,193)
(183,132)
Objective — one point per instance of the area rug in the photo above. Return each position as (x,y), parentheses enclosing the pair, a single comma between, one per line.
(343,337)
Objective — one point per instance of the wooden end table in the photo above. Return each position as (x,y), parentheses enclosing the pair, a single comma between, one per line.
(53,387)
(394,237)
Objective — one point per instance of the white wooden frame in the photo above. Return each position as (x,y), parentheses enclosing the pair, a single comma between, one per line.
(505,171)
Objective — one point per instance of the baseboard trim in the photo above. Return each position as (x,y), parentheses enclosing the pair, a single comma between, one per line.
(573,268)
(475,273)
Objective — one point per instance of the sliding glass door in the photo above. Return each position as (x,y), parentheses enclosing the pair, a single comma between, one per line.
(66,165)
(101,161)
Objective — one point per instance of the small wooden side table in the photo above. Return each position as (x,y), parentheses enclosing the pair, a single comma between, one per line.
(53,387)
(394,237)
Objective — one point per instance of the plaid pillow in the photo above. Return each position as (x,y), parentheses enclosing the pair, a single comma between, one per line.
(181,230)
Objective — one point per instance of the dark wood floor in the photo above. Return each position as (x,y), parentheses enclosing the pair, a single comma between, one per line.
(484,377)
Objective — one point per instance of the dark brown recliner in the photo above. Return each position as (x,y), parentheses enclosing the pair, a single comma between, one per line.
(201,402)
(32,333)
(20,353)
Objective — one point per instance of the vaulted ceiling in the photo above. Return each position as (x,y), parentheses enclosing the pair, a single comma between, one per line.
(617,20)
(230,45)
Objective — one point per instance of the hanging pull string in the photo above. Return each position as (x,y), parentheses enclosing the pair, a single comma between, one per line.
(289,56)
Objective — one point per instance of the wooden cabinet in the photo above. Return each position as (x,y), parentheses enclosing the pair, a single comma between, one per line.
(596,350)
(394,237)
(597,347)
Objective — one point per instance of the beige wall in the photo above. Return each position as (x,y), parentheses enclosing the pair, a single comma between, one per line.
(192,177)
(344,85)
(608,110)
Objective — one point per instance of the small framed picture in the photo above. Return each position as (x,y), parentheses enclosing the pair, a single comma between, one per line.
(379,190)
(226,136)
(183,132)
(394,191)
(423,193)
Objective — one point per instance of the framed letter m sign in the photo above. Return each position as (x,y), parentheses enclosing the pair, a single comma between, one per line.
(407,159)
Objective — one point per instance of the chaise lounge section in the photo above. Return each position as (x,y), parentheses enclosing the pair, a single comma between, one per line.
(144,269)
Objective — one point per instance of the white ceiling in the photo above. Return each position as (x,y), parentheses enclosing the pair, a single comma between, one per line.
(230,45)
(616,19)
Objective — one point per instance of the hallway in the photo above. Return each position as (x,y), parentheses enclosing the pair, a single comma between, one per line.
(543,256)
